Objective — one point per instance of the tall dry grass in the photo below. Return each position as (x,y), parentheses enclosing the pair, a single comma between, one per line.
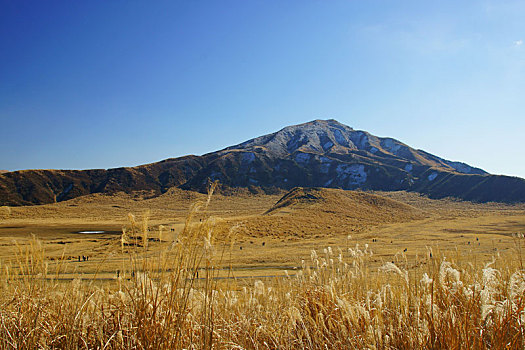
(173,300)
(5,212)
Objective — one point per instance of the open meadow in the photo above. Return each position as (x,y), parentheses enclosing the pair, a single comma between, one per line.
(262,175)
(307,268)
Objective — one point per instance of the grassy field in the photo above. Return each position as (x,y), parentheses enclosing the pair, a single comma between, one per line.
(318,269)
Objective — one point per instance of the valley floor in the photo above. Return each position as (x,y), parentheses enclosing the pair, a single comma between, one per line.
(307,269)
(261,244)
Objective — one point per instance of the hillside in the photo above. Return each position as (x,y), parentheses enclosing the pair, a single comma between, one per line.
(307,212)
(321,153)
(353,204)
(29,187)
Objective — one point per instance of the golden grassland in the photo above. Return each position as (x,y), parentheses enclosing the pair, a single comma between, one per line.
(326,269)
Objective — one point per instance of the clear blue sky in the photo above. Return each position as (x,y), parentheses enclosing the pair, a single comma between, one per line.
(100,84)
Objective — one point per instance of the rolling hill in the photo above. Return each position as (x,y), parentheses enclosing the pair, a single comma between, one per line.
(308,212)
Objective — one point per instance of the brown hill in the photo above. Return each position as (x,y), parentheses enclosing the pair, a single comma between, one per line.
(321,153)
(350,203)
(27,187)
(304,212)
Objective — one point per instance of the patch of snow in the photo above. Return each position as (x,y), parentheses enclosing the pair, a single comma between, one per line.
(253,181)
(327,145)
(91,232)
(325,164)
(302,158)
(253,170)
(360,139)
(355,173)
(432,176)
(461,167)
(340,138)
(391,146)
(295,142)
(408,167)
(285,180)
(328,183)
(373,150)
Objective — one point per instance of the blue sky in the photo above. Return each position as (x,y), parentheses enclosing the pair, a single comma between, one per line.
(101,84)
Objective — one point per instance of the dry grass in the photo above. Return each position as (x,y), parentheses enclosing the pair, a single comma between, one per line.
(5,212)
(341,297)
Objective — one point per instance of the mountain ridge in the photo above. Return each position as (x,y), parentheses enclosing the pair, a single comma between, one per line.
(338,142)
(319,153)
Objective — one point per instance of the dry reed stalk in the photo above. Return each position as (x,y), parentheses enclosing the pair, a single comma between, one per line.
(5,212)
(145,228)
(173,300)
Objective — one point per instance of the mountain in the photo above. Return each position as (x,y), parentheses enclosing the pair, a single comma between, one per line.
(321,153)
